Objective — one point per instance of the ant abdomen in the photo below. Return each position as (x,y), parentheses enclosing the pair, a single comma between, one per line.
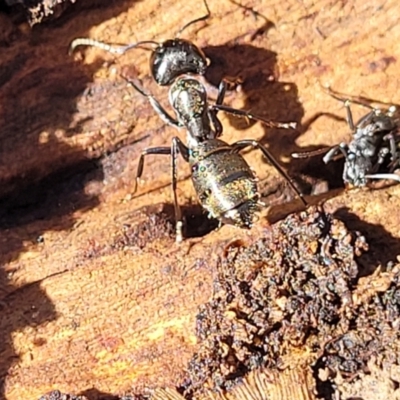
(225,184)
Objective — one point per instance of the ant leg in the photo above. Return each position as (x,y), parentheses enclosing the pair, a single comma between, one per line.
(393,177)
(173,151)
(212,112)
(382,154)
(158,108)
(177,147)
(331,154)
(349,115)
(241,144)
(246,114)
(146,152)
(392,145)
(307,154)
(203,18)
(222,88)
(395,156)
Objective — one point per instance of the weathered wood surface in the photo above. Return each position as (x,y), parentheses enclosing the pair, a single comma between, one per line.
(84,306)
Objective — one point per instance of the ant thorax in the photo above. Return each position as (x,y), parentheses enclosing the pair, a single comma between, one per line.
(188,98)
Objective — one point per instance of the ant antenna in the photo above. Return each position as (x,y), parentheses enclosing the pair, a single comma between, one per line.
(203,18)
(359,100)
(110,48)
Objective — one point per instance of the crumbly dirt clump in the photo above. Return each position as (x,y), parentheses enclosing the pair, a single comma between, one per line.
(294,294)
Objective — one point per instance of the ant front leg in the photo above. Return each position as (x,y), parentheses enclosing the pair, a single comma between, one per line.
(241,144)
(213,110)
(331,154)
(312,153)
(349,116)
(382,154)
(246,114)
(158,108)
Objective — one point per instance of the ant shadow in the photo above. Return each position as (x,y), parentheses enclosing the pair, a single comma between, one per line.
(197,223)
(384,248)
(274,100)
(20,307)
(43,177)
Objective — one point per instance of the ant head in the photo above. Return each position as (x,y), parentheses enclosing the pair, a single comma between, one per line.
(385,123)
(377,122)
(176,57)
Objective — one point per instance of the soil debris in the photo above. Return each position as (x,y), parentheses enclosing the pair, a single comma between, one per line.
(38,10)
(293,295)
(155,222)
(57,395)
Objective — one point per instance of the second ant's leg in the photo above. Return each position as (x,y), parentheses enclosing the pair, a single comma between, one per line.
(393,177)
(349,115)
(394,152)
(146,152)
(241,144)
(382,154)
(331,154)
(176,148)
(246,114)
(312,153)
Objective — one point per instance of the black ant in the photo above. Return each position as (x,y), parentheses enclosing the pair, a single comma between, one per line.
(373,140)
(224,183)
